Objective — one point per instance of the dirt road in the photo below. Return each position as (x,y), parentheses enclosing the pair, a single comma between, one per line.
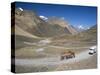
(53,60)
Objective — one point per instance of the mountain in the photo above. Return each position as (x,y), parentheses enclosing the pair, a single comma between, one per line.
(61,22)
(29,27)
(29,22)
(89,35)
(81,28)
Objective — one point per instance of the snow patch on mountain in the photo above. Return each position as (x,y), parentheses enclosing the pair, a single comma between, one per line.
(43,17)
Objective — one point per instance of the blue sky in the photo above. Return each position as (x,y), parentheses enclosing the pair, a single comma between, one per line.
(78,16)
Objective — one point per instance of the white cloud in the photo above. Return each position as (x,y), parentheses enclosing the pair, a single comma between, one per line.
(43,17)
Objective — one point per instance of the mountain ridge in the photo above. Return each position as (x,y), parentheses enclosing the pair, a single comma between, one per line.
(30,22)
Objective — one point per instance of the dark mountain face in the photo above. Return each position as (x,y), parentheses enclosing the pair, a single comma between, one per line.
(30,22)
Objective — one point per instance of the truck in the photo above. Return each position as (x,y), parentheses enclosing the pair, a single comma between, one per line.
(92,50)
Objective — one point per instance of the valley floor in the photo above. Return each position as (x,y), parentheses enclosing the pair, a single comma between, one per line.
(53,63)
